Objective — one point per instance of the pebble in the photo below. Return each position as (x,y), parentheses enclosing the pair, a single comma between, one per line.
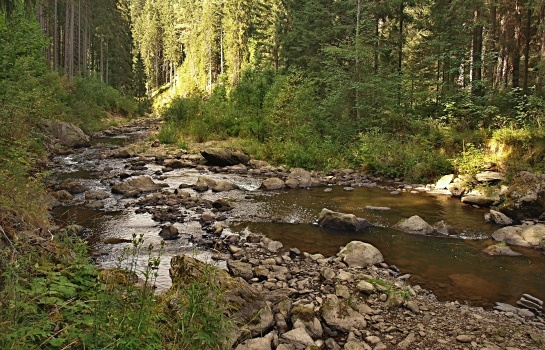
(465,338)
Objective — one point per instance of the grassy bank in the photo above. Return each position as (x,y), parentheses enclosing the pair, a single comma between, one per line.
(287,119)
(52,296)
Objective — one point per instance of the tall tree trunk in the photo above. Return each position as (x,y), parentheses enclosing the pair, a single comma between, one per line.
(102,59)
(541,72)
(55,41)
(515,51)
(400,43)
(400,50)
(376,43)
(221,51)
(492,46)
(476,56)
(107,64)
(527,38)
(71,56)
(79,37)
(358,49)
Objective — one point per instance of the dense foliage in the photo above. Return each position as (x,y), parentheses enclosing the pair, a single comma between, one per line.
(30,96)
(335,80)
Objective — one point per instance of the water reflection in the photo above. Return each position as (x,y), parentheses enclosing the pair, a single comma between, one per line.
(453,269)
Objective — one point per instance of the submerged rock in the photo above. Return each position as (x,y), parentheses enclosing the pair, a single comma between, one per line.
(415,225)
(341,221)
(496,249)
(442,228)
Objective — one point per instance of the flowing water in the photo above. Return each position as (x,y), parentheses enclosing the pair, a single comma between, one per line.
(453,268)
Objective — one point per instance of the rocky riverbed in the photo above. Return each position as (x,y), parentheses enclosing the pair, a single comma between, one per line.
(291,299)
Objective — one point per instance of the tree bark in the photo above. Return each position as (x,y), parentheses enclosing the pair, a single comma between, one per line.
(527,37)
(55,41)
(515,51)
(541,72)
(476,56)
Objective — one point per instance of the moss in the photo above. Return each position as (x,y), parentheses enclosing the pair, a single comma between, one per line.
(303,313)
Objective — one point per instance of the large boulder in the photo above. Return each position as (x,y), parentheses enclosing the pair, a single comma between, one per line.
(525,198)
(240,269)
(169,232)
(272,183)
(73,186)
(415,225)
(136,186)
(444,182)
(338,315)
(360,254)
(489,176)
(225,156)
(298,178)
(70,135)
(442,228)
(511,235)
(478,199)
(498,218)
(204,183)
(534,235)
(342,221)
(298,338)
(223,186)
(96,195)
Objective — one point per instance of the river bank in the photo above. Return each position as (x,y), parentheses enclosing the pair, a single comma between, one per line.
(192,209)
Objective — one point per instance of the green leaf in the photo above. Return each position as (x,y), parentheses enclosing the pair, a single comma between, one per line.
(56,342)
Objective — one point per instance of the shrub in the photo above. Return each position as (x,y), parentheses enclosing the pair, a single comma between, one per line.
(413,159)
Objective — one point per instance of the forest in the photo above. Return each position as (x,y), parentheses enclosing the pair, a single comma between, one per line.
(327,84)
(320,83)
(402,89)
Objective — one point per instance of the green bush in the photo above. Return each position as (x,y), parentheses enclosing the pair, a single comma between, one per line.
(470,161)
(413,159)
(90,100)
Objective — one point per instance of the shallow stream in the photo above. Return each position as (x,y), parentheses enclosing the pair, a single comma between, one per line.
(453,268)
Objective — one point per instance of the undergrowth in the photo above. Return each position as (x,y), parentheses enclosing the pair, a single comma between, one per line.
(54,297)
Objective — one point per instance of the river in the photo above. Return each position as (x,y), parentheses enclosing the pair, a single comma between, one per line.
(453,268)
